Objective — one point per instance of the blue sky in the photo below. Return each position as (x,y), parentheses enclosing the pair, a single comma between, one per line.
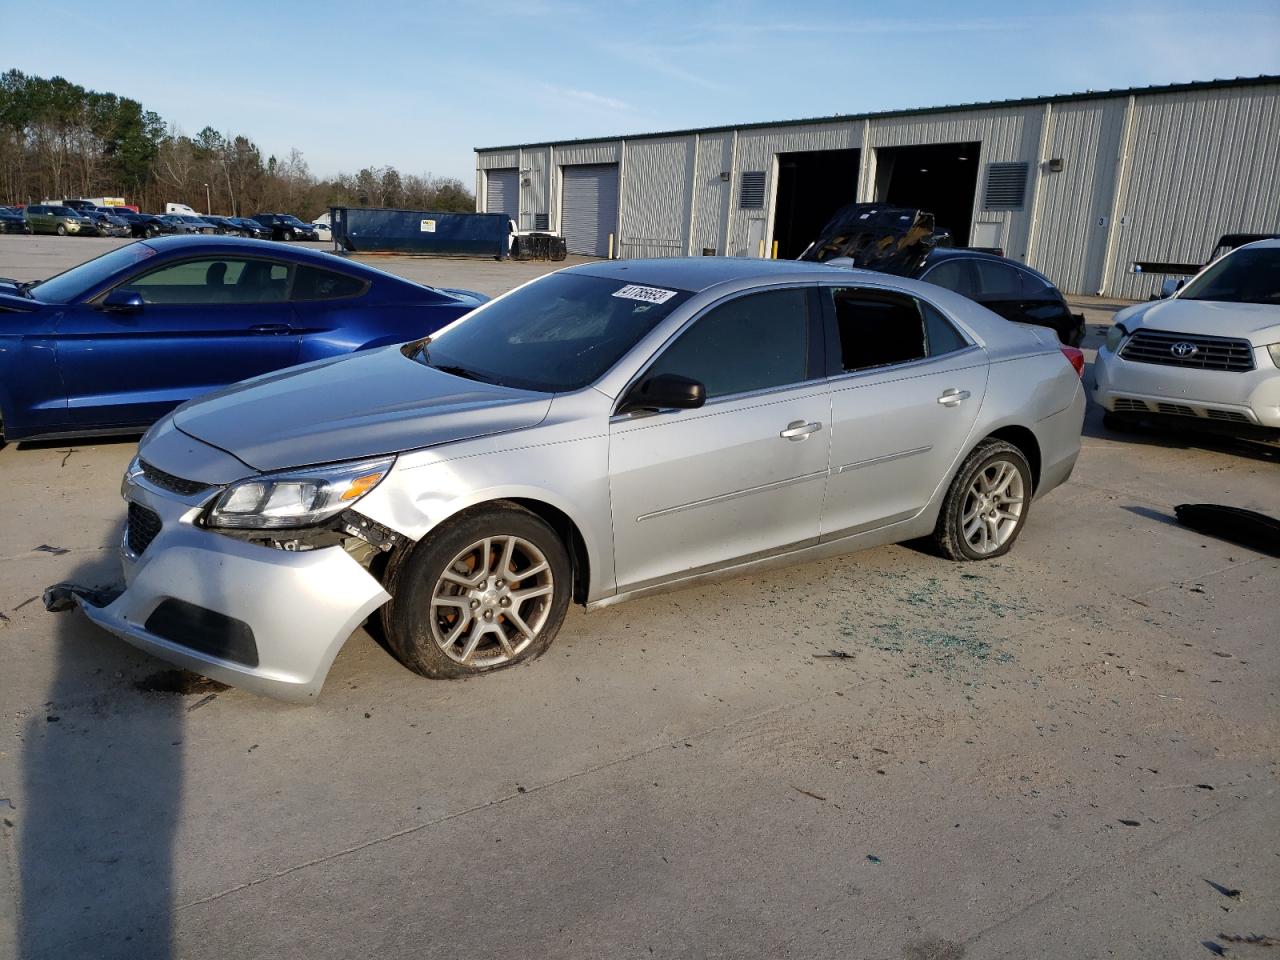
(418,85)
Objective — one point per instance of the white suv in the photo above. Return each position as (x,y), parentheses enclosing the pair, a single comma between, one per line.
(1207,357)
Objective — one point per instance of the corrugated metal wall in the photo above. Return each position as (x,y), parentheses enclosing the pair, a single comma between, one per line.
(1199,164)
(1074,205)
(657,195)
(711,193)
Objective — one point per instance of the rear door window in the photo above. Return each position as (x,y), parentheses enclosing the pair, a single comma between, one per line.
(751,343)
(877,328)
(998,281)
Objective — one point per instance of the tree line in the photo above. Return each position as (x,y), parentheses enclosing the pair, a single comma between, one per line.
(59,140)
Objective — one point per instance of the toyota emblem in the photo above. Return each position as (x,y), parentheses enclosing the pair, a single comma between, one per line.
(1183,350)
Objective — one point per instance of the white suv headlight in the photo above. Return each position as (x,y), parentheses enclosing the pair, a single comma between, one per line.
(296,498)
(1115,336)
(1274,350)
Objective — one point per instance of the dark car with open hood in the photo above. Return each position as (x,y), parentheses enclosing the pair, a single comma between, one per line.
(904,241)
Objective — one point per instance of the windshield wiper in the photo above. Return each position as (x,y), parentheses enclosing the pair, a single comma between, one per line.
(456,370)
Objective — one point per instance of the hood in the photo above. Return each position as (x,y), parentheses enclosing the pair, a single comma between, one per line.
(347,408)
(875,236)
(1259,323)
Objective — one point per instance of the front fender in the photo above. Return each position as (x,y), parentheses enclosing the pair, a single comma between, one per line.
(424,491)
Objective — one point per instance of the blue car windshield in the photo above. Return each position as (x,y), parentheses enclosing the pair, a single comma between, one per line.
(559,333)
(74,283)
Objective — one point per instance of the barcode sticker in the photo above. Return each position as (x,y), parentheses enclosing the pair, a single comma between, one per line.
(634,291)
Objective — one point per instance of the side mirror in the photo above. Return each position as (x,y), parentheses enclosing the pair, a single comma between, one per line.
(1171,286)
(121,300)
(664,391)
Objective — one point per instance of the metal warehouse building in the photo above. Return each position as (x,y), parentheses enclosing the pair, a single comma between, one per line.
(1080,186)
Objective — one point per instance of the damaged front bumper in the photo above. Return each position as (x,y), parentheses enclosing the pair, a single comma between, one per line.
(269,620)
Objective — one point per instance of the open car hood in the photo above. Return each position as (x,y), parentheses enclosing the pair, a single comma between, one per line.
(347,408)
(874,236)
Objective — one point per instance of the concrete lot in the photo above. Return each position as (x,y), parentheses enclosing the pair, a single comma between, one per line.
(1069,752)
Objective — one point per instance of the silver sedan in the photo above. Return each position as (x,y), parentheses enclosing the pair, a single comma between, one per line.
(600,433)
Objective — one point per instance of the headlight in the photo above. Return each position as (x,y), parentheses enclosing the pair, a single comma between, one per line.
(1274,350)
(296,498)
(1115,336)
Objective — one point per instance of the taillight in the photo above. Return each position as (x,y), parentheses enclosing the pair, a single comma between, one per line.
(1076,357)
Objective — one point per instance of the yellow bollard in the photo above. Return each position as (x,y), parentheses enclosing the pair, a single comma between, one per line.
(774,254)
(611,246)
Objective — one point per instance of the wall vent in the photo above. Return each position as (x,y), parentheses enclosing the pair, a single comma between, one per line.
(751,195)
(541,221)
(1006,186)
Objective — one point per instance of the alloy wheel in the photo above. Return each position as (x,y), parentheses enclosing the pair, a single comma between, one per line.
(491,601)
(993,507)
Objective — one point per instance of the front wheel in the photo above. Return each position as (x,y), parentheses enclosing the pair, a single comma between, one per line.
(60,230)
(986,507)
(486,591)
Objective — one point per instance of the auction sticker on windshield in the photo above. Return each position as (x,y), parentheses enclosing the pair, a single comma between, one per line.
(634,291)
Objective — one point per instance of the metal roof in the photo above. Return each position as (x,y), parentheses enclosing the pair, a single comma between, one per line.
(1190,87)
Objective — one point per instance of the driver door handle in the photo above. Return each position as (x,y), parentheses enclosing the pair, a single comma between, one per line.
(953,397)
(799,430)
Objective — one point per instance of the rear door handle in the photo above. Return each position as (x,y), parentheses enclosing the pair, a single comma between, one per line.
(953,397)
(799,430)
(270,328)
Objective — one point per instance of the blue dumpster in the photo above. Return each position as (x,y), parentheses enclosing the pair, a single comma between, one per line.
(421,232)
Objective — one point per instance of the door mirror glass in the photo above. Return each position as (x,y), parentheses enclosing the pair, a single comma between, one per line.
(1171,286)
(121,300)
(664,391)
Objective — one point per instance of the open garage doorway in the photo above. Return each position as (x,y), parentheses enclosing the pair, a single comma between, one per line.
(941,178)
(811,187)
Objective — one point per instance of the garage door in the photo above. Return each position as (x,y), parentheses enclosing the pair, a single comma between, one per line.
(503,192)
(590,207)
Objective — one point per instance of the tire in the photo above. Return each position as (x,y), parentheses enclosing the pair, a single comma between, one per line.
(433,624)
(288,235)
(60,230)
(149,233)
(959,539)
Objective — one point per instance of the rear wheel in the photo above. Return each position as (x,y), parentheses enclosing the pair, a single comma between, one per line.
(986,507)
(488,590)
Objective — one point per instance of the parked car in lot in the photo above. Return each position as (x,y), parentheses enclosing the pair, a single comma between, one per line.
(57,219)
(148,225)
(107,223)
(12,220)
(113,344)
(286,227)
(179,224)
(323,230)
(902,240)
(1207,357)
(251,228)
(594,435)
(197,224)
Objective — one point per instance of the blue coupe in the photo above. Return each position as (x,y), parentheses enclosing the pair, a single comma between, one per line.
(112,345)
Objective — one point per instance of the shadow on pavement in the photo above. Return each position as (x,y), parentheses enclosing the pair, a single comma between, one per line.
(102,781)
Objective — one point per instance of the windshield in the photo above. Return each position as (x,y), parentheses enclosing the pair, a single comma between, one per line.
(1249,275)
(559,333)
(71,284)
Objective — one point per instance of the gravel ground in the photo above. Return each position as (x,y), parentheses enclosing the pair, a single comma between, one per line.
(1069,752)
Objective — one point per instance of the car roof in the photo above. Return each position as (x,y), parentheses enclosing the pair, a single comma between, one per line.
(1268,244)
(210,243)
(700,273)
(938,254)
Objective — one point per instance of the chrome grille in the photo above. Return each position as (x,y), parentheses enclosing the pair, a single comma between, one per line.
(167,481)
(143,526)
(1195,351)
